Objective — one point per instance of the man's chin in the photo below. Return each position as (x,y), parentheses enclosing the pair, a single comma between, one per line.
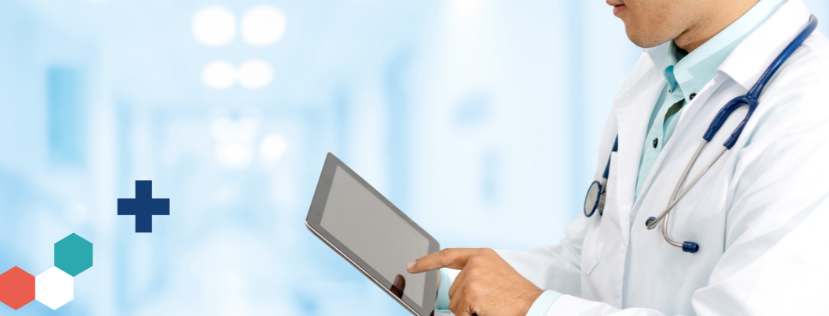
(645,40)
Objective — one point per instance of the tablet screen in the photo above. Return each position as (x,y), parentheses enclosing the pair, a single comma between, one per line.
(374,232)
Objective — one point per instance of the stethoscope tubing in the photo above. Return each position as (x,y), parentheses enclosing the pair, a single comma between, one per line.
(674,199)
(751,99)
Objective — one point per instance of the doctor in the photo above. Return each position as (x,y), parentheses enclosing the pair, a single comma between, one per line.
(759,216)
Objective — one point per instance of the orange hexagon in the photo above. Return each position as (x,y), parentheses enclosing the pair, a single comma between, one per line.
(17,288)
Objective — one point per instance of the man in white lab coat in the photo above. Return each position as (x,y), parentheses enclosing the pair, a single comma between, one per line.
(760,215)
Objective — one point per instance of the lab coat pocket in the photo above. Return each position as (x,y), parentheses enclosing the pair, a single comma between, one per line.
(593,246)
(595,240)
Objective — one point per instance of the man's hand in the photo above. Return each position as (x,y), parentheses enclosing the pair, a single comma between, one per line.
(487,285)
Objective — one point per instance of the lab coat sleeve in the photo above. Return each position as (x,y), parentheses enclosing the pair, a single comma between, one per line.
(774,259)
(555,267)
(773,262)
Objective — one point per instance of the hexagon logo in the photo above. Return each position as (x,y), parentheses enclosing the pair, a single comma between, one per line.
(54,288)
(17,288)
(73,254)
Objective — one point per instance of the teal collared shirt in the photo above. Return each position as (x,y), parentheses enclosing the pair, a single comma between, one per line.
(686,75)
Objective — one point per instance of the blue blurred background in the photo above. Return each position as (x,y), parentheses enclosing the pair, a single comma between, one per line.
(478,118)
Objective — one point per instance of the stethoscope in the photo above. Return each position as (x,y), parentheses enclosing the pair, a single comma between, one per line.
(595,198)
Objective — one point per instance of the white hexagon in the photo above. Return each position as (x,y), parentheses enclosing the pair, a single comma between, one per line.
(54,288)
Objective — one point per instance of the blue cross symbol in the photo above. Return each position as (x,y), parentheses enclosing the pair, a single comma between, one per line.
(143,206)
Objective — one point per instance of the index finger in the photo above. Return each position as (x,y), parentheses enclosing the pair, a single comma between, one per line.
(453,258)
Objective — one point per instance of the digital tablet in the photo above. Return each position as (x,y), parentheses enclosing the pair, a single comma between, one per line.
(355,220)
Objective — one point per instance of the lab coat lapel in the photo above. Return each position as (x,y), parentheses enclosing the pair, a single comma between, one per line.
(689,111)
(633,108)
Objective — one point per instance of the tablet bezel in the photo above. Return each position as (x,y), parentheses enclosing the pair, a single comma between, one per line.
(315,217)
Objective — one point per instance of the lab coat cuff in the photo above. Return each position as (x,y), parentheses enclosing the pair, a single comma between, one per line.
(571,305)
(442,301)
(542,303)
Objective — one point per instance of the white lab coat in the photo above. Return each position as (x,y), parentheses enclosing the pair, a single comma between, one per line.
(760,215)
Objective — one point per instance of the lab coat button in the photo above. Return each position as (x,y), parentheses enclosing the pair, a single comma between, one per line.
(655,142)
(693,95)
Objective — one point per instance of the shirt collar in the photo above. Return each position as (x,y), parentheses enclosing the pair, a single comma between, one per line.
(674,55)
(657,53)
(692,72)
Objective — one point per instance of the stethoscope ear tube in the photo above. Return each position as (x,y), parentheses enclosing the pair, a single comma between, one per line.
(787,52)
(753,95)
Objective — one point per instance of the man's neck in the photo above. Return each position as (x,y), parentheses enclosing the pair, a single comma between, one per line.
(712,24)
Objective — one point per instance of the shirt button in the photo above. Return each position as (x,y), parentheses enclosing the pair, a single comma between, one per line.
(693,95)
(655,142)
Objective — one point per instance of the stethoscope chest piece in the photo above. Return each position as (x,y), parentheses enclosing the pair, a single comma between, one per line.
(594,199)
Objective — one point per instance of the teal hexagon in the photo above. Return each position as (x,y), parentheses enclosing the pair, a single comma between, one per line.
(73,254)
